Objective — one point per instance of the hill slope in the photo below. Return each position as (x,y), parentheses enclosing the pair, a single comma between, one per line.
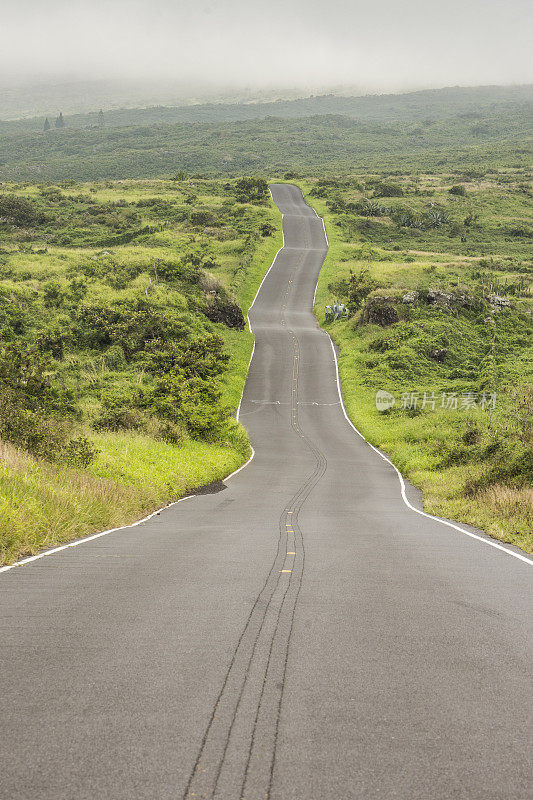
(407,107)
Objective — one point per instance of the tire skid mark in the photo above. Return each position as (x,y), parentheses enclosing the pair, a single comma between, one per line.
(236,758)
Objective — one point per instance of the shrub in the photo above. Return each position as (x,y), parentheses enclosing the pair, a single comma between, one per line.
(79,452)
(17,211)
(172,433)
(42,436)
(119,419)
(193,404)
(379,311)
(360,285)
(222,308)
(53,294)
(24,376)
(53,341)
(387,190)
(203,219)
(252,190)
(114,357)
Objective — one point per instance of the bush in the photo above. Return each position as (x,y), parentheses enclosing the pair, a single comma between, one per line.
(222,308)
(42,436)
(203,219)
(458,190)
(379,310)
(387,190)
(171,433)
(79,452)
(53,294)
(114,357)
(25,378)
(17,211)
(355,288)
(252,190)
(193,404)
(119,419)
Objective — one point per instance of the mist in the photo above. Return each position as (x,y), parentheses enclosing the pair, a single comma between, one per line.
(385,46)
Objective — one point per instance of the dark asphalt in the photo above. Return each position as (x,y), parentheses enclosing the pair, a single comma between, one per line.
(180,658)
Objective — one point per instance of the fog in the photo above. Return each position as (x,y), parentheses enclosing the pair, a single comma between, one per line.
(382,46)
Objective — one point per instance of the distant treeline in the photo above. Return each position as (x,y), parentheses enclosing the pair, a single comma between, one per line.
(271,146)
(471,102)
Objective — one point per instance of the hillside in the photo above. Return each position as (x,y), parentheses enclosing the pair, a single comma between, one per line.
(469,102)
(123,348)
(436,273)
(309,146)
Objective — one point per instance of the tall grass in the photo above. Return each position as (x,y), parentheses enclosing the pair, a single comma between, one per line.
(42,505)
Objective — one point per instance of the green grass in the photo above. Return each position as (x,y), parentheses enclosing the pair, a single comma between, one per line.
(473,466)
(136,460)
(43,504)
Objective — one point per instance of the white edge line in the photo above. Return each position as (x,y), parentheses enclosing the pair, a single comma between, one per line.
(239,468)
(238,412)
(237,415)
(402,481)
(92,536)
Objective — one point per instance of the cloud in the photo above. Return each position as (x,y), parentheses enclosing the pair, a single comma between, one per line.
(385,45)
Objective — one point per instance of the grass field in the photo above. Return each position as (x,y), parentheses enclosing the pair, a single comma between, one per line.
(76,256)
(473,462)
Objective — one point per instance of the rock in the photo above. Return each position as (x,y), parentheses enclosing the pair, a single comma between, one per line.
(226,310)
(380,311)
(439,354)
(450,299)
(410,298)
(438,298)
(498,302)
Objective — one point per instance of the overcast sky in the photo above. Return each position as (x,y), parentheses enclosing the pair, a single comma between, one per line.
(373,44)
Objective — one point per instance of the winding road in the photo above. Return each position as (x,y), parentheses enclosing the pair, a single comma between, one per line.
(300,635)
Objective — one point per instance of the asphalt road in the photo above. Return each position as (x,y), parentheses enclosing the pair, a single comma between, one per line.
(301,634)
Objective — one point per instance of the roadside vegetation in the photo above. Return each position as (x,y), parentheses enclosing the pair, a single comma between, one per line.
(123,297)
(435,271)
(123,346)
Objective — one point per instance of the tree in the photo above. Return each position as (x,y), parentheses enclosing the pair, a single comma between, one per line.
(46,125)
(60,122)
(101,118)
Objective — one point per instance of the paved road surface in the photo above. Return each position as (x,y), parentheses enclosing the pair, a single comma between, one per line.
(299,635)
